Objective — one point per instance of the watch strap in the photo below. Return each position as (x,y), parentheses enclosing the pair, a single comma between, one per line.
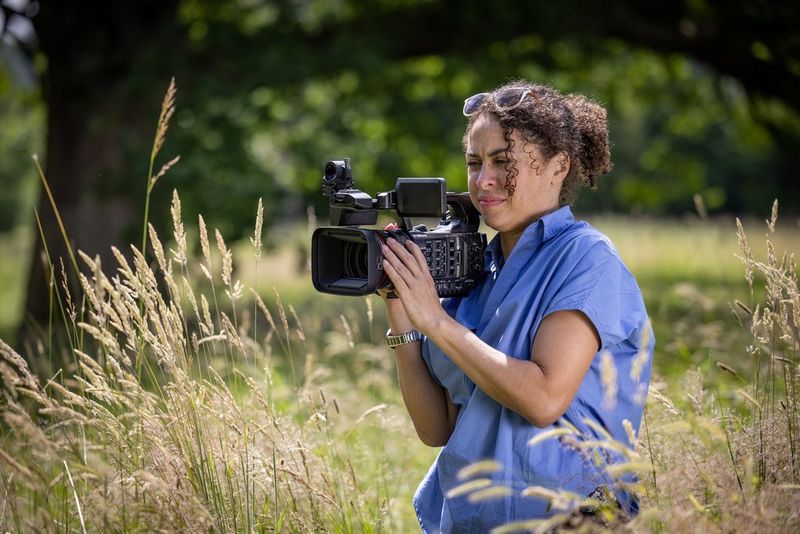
(401,339)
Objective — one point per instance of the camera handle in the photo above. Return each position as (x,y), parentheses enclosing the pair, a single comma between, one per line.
(459,208)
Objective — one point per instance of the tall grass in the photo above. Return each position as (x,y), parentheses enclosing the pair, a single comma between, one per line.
(189,402)
(177,446)
(171,413)
(298,430)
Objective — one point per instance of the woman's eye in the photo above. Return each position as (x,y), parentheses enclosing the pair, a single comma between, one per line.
(473,164)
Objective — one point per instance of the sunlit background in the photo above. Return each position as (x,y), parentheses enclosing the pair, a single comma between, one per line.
(702,104)
(704,111)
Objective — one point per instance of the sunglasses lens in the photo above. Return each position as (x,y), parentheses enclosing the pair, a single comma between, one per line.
(473,103)
(510,98)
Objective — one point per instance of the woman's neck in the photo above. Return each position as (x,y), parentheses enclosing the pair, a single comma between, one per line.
(508,241)
(509,238)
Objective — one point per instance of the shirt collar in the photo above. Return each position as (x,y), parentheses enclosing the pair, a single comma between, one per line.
(556,221)
(540,230)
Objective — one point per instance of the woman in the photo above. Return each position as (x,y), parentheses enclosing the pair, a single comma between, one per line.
(530,349)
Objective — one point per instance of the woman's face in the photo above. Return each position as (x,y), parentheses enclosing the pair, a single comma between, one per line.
(538,182)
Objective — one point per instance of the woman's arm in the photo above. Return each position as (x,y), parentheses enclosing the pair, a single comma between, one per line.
(430,408)
(539,389)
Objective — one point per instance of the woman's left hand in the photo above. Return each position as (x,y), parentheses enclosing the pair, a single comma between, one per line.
(407,269)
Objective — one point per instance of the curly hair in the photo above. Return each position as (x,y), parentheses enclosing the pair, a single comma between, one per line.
(554,123)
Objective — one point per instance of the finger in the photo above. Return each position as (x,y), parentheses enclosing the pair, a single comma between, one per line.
(404,255)
(400,285)
(400,267)
(392,259)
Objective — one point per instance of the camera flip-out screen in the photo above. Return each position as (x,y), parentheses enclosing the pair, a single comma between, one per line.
(421,197)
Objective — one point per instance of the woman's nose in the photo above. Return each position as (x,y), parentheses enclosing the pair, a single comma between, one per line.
(487,178)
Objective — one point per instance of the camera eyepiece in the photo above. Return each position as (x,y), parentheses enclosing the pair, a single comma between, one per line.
(338,175)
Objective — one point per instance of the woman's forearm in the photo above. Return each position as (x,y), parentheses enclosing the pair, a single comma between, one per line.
(425,400)
(520,385)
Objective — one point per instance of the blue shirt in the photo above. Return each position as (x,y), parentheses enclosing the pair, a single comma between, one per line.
(557,264)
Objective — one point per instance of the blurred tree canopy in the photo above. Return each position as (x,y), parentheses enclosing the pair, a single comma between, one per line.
(702,98)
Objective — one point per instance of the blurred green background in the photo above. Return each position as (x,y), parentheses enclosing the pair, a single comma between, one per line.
(702,97)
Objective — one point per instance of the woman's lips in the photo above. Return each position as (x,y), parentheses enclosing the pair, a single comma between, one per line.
(490,202)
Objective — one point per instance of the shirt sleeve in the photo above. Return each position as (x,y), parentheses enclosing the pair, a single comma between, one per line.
(602,288)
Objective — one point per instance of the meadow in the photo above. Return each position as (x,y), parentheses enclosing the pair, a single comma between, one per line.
(204,386)
(211,389)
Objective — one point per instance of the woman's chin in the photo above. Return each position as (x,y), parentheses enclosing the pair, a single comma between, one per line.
(496,224)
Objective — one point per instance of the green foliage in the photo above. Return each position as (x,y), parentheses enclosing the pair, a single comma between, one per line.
(270,90)
(21,135)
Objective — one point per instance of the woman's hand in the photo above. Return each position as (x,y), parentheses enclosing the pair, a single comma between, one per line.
(413,284)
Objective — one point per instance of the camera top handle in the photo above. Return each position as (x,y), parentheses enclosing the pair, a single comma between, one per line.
(411,197)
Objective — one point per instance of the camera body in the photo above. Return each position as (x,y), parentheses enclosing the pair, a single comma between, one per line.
(347,259)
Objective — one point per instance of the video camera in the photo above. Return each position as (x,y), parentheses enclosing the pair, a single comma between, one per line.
(347,260)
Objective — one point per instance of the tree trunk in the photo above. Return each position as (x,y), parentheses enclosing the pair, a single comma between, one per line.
(95,121)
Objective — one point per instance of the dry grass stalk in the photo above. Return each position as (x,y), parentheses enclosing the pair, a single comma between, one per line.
(347,330)
(204,246)
(161,172)
(773,217)
(256,239)
(227,259)
(747,259)
(608,376)
(158,249)
(479,468)
(15,467)
(178,231)
(167,110)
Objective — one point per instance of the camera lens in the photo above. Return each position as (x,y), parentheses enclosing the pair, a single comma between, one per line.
(355,260)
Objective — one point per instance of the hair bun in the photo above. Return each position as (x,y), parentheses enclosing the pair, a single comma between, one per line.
(592,122)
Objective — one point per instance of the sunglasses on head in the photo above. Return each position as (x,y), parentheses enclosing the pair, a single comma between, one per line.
(504,100)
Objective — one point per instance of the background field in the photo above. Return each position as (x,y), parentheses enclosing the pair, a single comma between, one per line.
(207,387)
(331,384)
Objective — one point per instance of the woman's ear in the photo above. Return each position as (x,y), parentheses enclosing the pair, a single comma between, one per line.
(558,166)
(562,168)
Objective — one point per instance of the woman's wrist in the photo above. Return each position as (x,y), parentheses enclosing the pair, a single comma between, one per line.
(400,327)
(399,321)
(436,325)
